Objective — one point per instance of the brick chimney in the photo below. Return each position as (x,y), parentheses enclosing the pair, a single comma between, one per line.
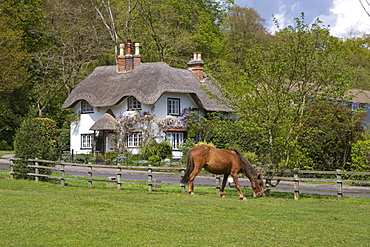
(196,66)
(127,62)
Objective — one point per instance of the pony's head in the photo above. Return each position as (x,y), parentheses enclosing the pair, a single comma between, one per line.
(257,185)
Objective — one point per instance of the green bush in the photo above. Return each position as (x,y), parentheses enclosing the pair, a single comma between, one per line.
(360,156)
(184,148)
(36,138)
(4,145)
(64,138)
(163,150)
(154,160)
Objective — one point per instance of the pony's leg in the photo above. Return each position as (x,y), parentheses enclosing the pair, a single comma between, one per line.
(192,176)
(223,185)
(237,185)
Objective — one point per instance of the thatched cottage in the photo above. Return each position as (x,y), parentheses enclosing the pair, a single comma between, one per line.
(156,88)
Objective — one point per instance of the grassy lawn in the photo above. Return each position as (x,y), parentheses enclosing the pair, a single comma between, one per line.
(46,214)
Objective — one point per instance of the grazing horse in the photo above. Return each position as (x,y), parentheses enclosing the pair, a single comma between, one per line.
(226,162)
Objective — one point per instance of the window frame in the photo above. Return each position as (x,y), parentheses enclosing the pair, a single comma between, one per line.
(175,138)
(84,142)
(86,108)
(134,139)
(133,104)
(170,106)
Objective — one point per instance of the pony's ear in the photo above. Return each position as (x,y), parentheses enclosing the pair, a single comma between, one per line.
(259,175)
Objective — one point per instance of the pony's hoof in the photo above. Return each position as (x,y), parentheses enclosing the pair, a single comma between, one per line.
(243,198)
(222,196)
(192,194)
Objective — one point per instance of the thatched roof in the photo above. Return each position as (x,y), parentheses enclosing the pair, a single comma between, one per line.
(106,122)
(105,87)
(359,95)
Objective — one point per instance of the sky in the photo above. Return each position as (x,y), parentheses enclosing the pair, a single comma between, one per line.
(345,18)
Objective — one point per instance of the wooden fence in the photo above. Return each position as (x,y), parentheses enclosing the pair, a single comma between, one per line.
(290,180)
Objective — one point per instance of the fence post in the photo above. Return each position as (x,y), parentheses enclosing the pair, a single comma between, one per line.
(62,174)
(150,178)
(89,175)
(296,184)
(119,176)
(182,171)
(339,185)
(11,169)
(37,171)
(218,184)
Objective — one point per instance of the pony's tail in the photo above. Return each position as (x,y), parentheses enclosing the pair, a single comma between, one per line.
(189,168)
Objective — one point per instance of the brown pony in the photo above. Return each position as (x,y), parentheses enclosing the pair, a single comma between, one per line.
(226,162)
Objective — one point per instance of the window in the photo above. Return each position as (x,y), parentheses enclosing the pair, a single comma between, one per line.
(86,107)
(134,139)
(174,107)
(86,141)
(133,104)
(175,138)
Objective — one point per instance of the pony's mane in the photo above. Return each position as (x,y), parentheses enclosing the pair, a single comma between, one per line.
(249,169)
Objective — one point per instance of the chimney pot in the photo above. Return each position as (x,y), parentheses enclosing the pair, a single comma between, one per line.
(137,45)
(128,51)
(196,66)
(121,49)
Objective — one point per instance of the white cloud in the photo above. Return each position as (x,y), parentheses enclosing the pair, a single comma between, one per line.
(347,16)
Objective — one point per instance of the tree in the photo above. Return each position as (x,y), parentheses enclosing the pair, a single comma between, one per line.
(366,6)
(173,29)
(328,136)
(243,29)
(16,42)
(36,138)
(272,94)
(73,45)
(356,51)
(169,30)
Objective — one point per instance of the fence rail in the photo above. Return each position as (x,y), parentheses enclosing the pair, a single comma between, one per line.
(292,178)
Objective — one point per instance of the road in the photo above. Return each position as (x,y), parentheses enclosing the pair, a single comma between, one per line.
(284,186)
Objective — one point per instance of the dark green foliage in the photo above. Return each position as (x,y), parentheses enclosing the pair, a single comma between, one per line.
(163,150)
(328,135)
(361,156)
(35,139)
(4,145)
(64,138)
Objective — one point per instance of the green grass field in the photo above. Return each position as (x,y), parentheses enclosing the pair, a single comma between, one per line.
(46,214)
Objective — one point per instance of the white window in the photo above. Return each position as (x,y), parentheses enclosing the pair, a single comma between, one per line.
(134,139)
(175,138)
(133,104)
(173,106)
(86,141)
(86,107)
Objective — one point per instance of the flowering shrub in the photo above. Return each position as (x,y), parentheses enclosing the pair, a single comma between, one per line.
(151,128)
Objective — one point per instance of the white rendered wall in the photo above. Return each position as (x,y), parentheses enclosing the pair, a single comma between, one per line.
(87,120)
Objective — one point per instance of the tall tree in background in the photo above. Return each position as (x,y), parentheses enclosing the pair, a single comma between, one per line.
(243,29)
(168,30)
(73,46)
(17,41)
(273,94)
(356,51)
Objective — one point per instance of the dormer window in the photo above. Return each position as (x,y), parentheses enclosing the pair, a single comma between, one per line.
(173,107)
(133,104)
(86,107)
